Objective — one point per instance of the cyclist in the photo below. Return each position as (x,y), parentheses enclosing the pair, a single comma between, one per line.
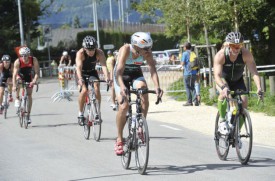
(23,67)
(110,66)
(127,69)
(229,65)
(6,68)
(65,59)
(86,59)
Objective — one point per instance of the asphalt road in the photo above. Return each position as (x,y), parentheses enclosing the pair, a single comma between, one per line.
(54,148)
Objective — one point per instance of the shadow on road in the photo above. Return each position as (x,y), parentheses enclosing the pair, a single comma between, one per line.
(54,125)
(174,170)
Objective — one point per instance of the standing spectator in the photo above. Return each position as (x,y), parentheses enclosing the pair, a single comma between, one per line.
(110,62)
(189,76)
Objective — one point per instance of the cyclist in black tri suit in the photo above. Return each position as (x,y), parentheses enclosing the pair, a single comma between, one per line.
(6,68)
(86,60)
(229,65)
(65,59)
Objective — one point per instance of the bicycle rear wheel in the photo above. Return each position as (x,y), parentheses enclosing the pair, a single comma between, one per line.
(87,120)
(142,145)
(221,141)
(126,157)
(96,117)
(243,137)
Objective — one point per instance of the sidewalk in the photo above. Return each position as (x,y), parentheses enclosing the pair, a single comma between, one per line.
(202,119)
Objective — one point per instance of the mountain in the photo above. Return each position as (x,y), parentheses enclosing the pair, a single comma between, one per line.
(83,9)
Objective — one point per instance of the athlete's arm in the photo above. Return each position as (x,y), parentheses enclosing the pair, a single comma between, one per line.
(14,74)
(36,70)
(152,68)
(102,60)
(70,60)
(124,52)
(79,63)
(251,65)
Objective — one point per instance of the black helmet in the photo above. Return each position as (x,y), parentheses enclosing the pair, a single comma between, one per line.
(234,37)
(6,58)
(89,42)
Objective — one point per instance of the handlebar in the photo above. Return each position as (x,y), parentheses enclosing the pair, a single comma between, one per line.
(142,91)
(92,80)
(27,84)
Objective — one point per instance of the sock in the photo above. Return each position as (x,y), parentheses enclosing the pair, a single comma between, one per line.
(222,108)
(80,113)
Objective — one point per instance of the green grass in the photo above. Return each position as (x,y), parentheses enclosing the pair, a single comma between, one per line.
(268,107)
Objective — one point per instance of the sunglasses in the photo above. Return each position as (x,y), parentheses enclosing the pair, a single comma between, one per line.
(90,49)
(236,46)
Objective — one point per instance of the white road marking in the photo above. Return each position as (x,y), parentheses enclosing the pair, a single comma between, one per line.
(170,127)
(264,146)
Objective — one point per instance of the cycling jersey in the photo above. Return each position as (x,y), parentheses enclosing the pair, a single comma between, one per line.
(25,69)
(132,71)
(88,67)
(6,73)
(233,71)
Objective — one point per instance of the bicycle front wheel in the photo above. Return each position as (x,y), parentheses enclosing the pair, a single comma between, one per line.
(26,110)
(96,120)
(87,122)
(142,145)
(243,137)
(221,141)
(126,157)
(6,105)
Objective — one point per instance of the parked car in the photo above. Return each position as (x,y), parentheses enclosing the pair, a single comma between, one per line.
(174,56)
(160,57)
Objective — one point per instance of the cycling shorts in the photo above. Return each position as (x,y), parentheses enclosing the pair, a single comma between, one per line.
(88,74)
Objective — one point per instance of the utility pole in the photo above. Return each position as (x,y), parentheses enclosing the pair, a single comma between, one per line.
(111,11)
(96,22)
(20,23)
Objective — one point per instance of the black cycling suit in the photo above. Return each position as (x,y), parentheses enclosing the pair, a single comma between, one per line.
(6,73)
(233,72)
(88,67)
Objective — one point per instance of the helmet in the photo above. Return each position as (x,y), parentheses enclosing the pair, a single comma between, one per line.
(24,51)
(6,58)
(89,42)
(234,37)
(142,40)
(65,53)
(109,52)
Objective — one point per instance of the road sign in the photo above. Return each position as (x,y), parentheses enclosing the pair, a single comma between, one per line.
(108,47)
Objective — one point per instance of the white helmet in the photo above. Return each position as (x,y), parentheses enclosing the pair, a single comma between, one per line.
(234,37)
(142,40)
(24,51)
(65,53)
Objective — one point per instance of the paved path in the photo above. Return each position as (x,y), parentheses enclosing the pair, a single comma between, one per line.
(202,119)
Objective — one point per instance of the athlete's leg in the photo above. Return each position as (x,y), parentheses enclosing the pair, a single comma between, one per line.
(141,83)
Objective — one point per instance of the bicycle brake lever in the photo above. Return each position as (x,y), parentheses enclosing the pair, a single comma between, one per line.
(158,101)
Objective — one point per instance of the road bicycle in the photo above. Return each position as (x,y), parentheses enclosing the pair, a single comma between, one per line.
(5,102)
(240,130)
(23,109)
(138,133)
(92,114)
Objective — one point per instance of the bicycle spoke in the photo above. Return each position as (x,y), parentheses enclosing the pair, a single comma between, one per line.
(221,141)
(244,138)
(96,117)
(142,151)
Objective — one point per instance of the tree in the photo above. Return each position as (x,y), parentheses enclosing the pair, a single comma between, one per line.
(76,23)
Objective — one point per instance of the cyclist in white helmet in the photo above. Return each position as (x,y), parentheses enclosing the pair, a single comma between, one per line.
(65,59)
(86,60)
(127,69)
(23,67)
(229,65)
